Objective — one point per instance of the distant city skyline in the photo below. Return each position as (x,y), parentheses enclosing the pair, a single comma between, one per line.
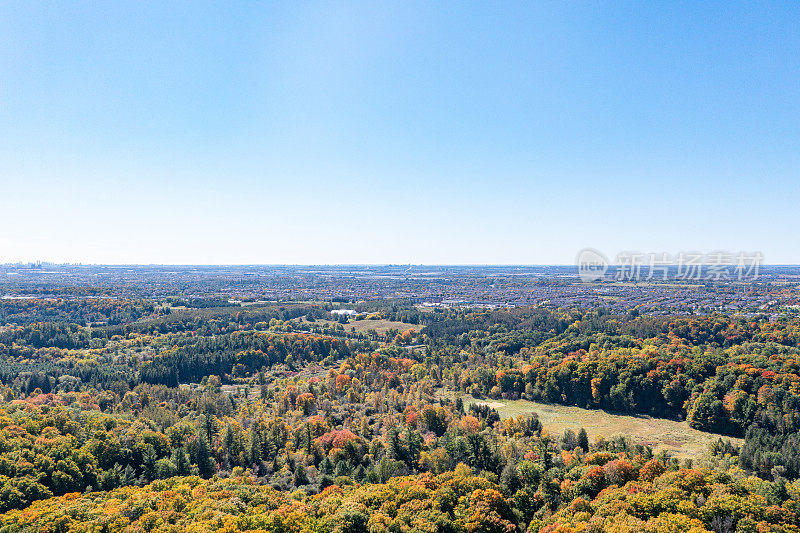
(396,133)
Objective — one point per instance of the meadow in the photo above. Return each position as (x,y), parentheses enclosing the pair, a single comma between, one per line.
(380,325)
(660,434)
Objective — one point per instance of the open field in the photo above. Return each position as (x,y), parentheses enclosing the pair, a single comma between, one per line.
(661,434)
(380,326)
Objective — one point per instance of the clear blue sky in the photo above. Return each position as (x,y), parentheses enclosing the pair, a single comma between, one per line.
(431,132)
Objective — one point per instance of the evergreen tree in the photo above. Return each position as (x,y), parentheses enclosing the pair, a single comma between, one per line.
(413,445)
(583,440)
(253,447)
(208,426)
(510,479)
(326,466)
(182,464)
(128,476)
(372,476)
(359,473)
(393,448)
(149,463)
(228,445)
(300,475)
(205,463)
(343,468)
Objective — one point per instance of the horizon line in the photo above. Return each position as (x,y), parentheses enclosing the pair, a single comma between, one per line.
(28,263)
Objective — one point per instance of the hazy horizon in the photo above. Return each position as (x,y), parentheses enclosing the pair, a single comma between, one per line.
(573,265)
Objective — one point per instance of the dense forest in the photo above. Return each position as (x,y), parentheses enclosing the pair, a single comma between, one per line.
(137,415)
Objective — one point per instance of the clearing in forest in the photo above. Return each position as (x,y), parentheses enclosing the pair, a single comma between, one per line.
(677,438)
(380,326)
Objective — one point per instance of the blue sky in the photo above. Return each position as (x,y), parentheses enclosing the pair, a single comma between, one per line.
(378,132)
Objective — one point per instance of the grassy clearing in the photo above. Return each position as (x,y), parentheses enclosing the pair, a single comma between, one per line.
(677,438)
(380,326)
